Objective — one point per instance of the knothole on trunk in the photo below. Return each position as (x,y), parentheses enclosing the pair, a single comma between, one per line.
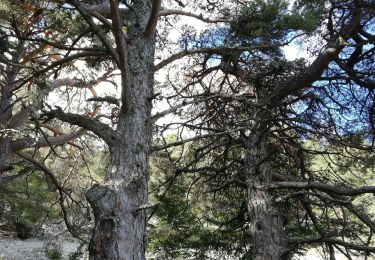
(258,226)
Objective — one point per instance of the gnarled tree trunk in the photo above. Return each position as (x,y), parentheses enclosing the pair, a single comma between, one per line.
(120,221)
(266,228)
(6,109)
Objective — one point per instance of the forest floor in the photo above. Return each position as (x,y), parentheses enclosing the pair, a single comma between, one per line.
(49,243)
(33,249)
(53,238)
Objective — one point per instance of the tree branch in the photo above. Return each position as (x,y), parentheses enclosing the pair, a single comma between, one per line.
(183,104)
(104,10)
(23,143)
(61,62)
(214,50)
(58,186)
(346,191)
(96,29)
(167,12)
(45,169)
(108,99)
(181,142)
(122,52)
(100,129)
(74,82)
(366,82)
(153,19)
(316,69)
(312,240)
(360,215)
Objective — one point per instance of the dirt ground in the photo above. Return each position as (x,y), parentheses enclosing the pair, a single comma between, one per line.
(33,249)
(36,247)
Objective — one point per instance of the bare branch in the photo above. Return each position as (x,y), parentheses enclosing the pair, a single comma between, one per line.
(58,186)
(103,9)
(312,240)
(61,62)
(365,82)
(96,29)
(187,140)
(61,46)
(167,12)
(122,52)
(346,191)
(214,50)
(73,82)
(183,104)
(44,168)
(100,129)
(361,216)
(118,34)
(23,143)
(153,19)
(111,100)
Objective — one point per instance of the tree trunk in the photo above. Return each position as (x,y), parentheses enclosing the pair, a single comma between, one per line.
(268,237)
(5,139)
(6,109)
(120,221)
(4,154)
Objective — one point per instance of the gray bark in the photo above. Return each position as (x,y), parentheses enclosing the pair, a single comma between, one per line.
(269,238)
(6,109)
(266,227)
(4,154)
(120,222)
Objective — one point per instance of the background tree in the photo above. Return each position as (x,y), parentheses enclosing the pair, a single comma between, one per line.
(38,63)
(250,94)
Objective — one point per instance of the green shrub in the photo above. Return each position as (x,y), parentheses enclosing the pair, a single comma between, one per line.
(54,254)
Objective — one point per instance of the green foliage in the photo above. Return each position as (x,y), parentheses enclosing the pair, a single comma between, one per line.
(342,167)
(29,199)
(54,254)
(191,222)
(272,20)
(35,197)
(193,225)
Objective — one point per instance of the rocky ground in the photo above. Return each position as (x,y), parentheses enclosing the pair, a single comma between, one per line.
(54,238)
(50,240)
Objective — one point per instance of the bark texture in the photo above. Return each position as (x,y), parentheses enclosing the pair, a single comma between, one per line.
(266,227)
(6,109)
(119,222)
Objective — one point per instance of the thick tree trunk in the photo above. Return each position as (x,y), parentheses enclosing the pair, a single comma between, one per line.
(268,238)
(4,154)
(120,221)
(6,109)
